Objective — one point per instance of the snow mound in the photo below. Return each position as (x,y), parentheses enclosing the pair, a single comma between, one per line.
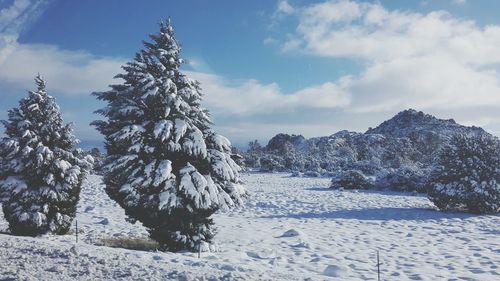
(335,271)
(263,255)
(290,233)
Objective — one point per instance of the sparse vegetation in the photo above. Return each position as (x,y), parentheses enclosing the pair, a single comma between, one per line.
(139,244)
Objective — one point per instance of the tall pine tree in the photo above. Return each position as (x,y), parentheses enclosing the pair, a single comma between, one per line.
(165,166)
(40,172)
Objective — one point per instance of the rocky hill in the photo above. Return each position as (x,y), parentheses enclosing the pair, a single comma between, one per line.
(409,139)
(410,122)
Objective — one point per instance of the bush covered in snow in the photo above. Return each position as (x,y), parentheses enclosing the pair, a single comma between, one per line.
(467,177)
(312,174)
(165,166)
(252,156)
(406,178)
(351,179)
(271,163)
(98,160)
(40,172)
(399,152)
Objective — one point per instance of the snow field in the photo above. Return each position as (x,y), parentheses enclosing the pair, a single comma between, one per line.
(290,228)
(343,229)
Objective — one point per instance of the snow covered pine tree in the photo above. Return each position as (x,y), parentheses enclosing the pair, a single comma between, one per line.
(40,172)
(467,177)
(165,166)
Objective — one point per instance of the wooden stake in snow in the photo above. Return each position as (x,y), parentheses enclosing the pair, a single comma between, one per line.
(199,250)
(378,265)
(76,230)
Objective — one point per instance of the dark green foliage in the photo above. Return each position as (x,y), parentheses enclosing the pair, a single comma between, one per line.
(40,172)
(165,166)
(467,176)
(351,179)
(403,179)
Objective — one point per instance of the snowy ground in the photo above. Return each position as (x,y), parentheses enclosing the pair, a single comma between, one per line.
(291,228)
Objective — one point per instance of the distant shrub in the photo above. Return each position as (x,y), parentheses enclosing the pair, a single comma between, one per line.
(366,167)
(403,179)
(98,160)
(351,179)
(312,174)
(468,175)
(271,163)
(139,244)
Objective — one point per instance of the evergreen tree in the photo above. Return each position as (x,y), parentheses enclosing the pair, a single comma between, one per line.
(254,147)
(40,172)
(165,166)
(467,177)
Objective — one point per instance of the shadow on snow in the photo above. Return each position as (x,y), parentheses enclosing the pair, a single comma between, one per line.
(368,191)
(411,214)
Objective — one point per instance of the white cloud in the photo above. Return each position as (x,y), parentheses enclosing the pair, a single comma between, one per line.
(251,97)
(285,8)
(238,106)
(234,104)
(67,72)
(459,2)
(11,13)
(373,33)
(423,82)
(433,62)
(282,9)
(269,41)
(323,14)
(74,74)
(19,14)
(15,18)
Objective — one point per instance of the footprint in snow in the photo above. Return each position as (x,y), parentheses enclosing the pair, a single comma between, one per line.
(227,267)
(302,244)
(264,255)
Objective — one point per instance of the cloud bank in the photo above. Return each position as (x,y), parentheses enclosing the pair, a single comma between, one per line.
(67,72)
(433,62)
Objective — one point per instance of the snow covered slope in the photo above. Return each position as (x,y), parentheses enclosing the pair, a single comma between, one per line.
(411,122)
(290,229)
(410,138)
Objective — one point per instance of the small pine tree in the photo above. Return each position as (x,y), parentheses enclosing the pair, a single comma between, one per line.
(40,172)
(164,165)
(467,177)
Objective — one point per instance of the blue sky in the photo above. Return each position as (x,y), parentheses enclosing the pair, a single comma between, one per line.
(308,67)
